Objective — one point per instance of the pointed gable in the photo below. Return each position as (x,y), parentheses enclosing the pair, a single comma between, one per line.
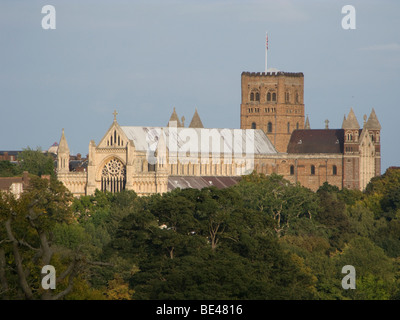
(174,117)
(161,149)
(114,137)
(307,124)
(373,122)
(351,121)
(344,123)
(63,145)
(196,121)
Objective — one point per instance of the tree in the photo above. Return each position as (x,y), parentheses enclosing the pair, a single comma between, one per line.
(9,169)
(26,240)
(332,216)
(375,271)
(383,194)
(216,210)
(205,244)
(277,198)
(36,162)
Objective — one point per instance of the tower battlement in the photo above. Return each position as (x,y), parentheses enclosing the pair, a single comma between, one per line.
(273,102)
(272,73)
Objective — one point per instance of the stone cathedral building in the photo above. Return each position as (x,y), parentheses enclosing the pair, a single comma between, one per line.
(274,137)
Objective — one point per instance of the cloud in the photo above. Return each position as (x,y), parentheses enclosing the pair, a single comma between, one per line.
(383,47)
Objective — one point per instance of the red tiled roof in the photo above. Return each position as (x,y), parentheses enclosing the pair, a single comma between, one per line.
(5,183)
(316,141)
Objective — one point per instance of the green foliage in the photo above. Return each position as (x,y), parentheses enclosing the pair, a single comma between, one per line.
(26,226)
(9,169)
(375,270)
(36,162)
(263,238)
(205,244)
(387,236)
(385,190)
(279,201)
(332,216)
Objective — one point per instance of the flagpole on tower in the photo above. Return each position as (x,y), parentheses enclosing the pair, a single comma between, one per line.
(266,52)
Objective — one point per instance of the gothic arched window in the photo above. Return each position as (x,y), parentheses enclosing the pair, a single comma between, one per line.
(334,170)
(253,125)
(269,96)
(292,170)
(312,169)
(349,137)
(287,97)
(269,127)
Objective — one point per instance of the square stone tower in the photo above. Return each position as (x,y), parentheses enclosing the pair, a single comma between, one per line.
(273,102)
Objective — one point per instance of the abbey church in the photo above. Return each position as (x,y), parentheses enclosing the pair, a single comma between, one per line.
(274,137)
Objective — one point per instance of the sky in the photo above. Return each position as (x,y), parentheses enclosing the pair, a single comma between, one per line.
(143,58)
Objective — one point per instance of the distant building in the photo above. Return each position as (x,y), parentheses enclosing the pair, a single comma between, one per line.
(274,137)
(14,185)
(348,157)
(11,156)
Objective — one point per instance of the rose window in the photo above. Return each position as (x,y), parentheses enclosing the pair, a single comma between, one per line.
(114,168)
(113,176)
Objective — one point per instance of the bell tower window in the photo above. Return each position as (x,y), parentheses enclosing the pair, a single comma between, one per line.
(287,97)
(269,127)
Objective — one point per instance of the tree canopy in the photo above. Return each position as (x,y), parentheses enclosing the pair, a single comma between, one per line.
(263,238)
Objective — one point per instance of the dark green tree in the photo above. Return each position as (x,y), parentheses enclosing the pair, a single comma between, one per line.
(36,162)
(9,169)
(332,216)
(279,200)
(26,240)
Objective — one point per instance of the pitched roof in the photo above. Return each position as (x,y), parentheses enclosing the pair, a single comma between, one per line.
(247,141)
(373,122)
(351,121)
(196,182)
(174,117)
(196,121)
(316,141)
(5,183)
(63,145)
(307,124)
(10,153)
